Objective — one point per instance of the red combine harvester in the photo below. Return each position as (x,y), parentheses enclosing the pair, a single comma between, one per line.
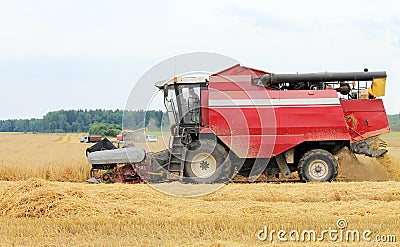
(251,122)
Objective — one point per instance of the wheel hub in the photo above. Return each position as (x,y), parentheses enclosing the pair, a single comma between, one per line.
(318,169)
(203,165)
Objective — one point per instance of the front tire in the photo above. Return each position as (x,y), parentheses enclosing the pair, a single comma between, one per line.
(318,165)
(208,162)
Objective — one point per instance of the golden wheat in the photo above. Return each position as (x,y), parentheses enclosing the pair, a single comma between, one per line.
(36,212)
(61,157)
(56,157)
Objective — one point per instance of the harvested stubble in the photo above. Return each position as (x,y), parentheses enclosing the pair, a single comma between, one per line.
(37,212)
(38,198)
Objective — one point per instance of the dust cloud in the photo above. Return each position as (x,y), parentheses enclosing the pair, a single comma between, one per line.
(354,167)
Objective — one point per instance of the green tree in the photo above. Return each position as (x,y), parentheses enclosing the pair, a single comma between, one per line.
(105,129)
(82,120)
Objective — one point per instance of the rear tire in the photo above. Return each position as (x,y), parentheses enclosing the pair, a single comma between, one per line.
(208,162)
(318,165)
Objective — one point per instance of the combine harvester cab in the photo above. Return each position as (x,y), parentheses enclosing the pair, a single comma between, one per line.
(251,122)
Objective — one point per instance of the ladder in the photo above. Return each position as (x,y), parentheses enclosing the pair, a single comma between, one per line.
(176,159)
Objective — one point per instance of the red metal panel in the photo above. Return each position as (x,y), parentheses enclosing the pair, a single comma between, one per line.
(258,122)
(228,93)
(316,114)
(363,105)
(242,121)
(237,69)
(286,142)
(249,131)
(251,146)
(365,118)
(204,107)
(316,123)
(238,117)
(234,83)
(308,94)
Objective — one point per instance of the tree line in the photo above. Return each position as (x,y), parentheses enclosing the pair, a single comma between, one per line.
(394,122)
(80,121)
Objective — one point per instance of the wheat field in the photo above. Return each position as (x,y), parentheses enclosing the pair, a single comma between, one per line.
(55,157)
(44,202)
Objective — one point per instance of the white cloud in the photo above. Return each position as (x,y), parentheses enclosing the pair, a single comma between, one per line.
(126,37)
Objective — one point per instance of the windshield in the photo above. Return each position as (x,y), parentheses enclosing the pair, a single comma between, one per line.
(183,104)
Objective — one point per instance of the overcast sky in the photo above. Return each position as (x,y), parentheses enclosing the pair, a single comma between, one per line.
(88,54)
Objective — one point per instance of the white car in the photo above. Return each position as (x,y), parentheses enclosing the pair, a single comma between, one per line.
(151,138)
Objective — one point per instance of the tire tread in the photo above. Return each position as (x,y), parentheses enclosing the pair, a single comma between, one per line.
(313,152)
